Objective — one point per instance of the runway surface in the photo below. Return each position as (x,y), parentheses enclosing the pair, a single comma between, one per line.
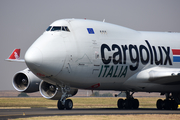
(32,112)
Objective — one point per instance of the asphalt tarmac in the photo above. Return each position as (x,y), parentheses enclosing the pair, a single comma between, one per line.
(34,112)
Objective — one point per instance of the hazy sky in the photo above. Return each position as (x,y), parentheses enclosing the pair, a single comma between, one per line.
(23,21)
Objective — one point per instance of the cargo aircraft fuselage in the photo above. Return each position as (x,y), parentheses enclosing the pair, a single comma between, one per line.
(85,54)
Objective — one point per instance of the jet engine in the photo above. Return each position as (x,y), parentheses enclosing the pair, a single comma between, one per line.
(53,92)
(26,81)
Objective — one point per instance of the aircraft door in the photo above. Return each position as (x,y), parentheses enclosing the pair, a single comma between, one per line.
(96,57)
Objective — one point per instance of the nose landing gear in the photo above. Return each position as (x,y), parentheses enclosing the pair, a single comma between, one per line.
(63,102)
(68,104)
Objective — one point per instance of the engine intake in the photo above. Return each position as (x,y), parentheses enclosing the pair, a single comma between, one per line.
(50,91)
(26,81)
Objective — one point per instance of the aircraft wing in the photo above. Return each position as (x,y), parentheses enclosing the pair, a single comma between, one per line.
(15,56)
(169,77)
(158,75)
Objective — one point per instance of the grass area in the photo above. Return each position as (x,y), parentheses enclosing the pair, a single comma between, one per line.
(109,117)
(79,102)
(88,102)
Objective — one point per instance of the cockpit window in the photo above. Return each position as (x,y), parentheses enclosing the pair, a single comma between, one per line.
(66,28)
(48,29)
(63,28)
(56,28)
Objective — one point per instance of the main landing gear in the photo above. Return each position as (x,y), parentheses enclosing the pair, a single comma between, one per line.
(168,104)
(129,102)
(64,103)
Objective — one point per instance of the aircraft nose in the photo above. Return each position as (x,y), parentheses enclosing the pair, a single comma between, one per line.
(33,57)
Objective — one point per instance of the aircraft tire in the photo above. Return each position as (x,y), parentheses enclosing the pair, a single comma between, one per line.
(120,103)
(69,104)
(135,104)
(167,104)
(128,104)
(174,105)
(159,104)
(60,106)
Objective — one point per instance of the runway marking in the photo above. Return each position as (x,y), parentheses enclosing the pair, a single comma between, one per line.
(17,113)
(15,107)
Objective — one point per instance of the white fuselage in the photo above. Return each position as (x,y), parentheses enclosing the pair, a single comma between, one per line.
(99,55)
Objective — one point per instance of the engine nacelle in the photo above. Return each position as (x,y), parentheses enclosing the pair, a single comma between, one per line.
(26,81)
(50,91)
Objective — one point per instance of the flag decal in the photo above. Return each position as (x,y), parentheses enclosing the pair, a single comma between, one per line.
(90,30)
(176,55)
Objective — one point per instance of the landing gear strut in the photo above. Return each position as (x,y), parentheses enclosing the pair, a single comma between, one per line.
(168,104)
(63,102)
(129,102)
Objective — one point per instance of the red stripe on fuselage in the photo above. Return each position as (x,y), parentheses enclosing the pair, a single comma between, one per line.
(176,51)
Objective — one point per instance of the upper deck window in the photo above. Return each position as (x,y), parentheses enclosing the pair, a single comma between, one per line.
(58,28)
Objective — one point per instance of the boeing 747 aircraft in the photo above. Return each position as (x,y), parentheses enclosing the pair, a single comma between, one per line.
(77,54)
